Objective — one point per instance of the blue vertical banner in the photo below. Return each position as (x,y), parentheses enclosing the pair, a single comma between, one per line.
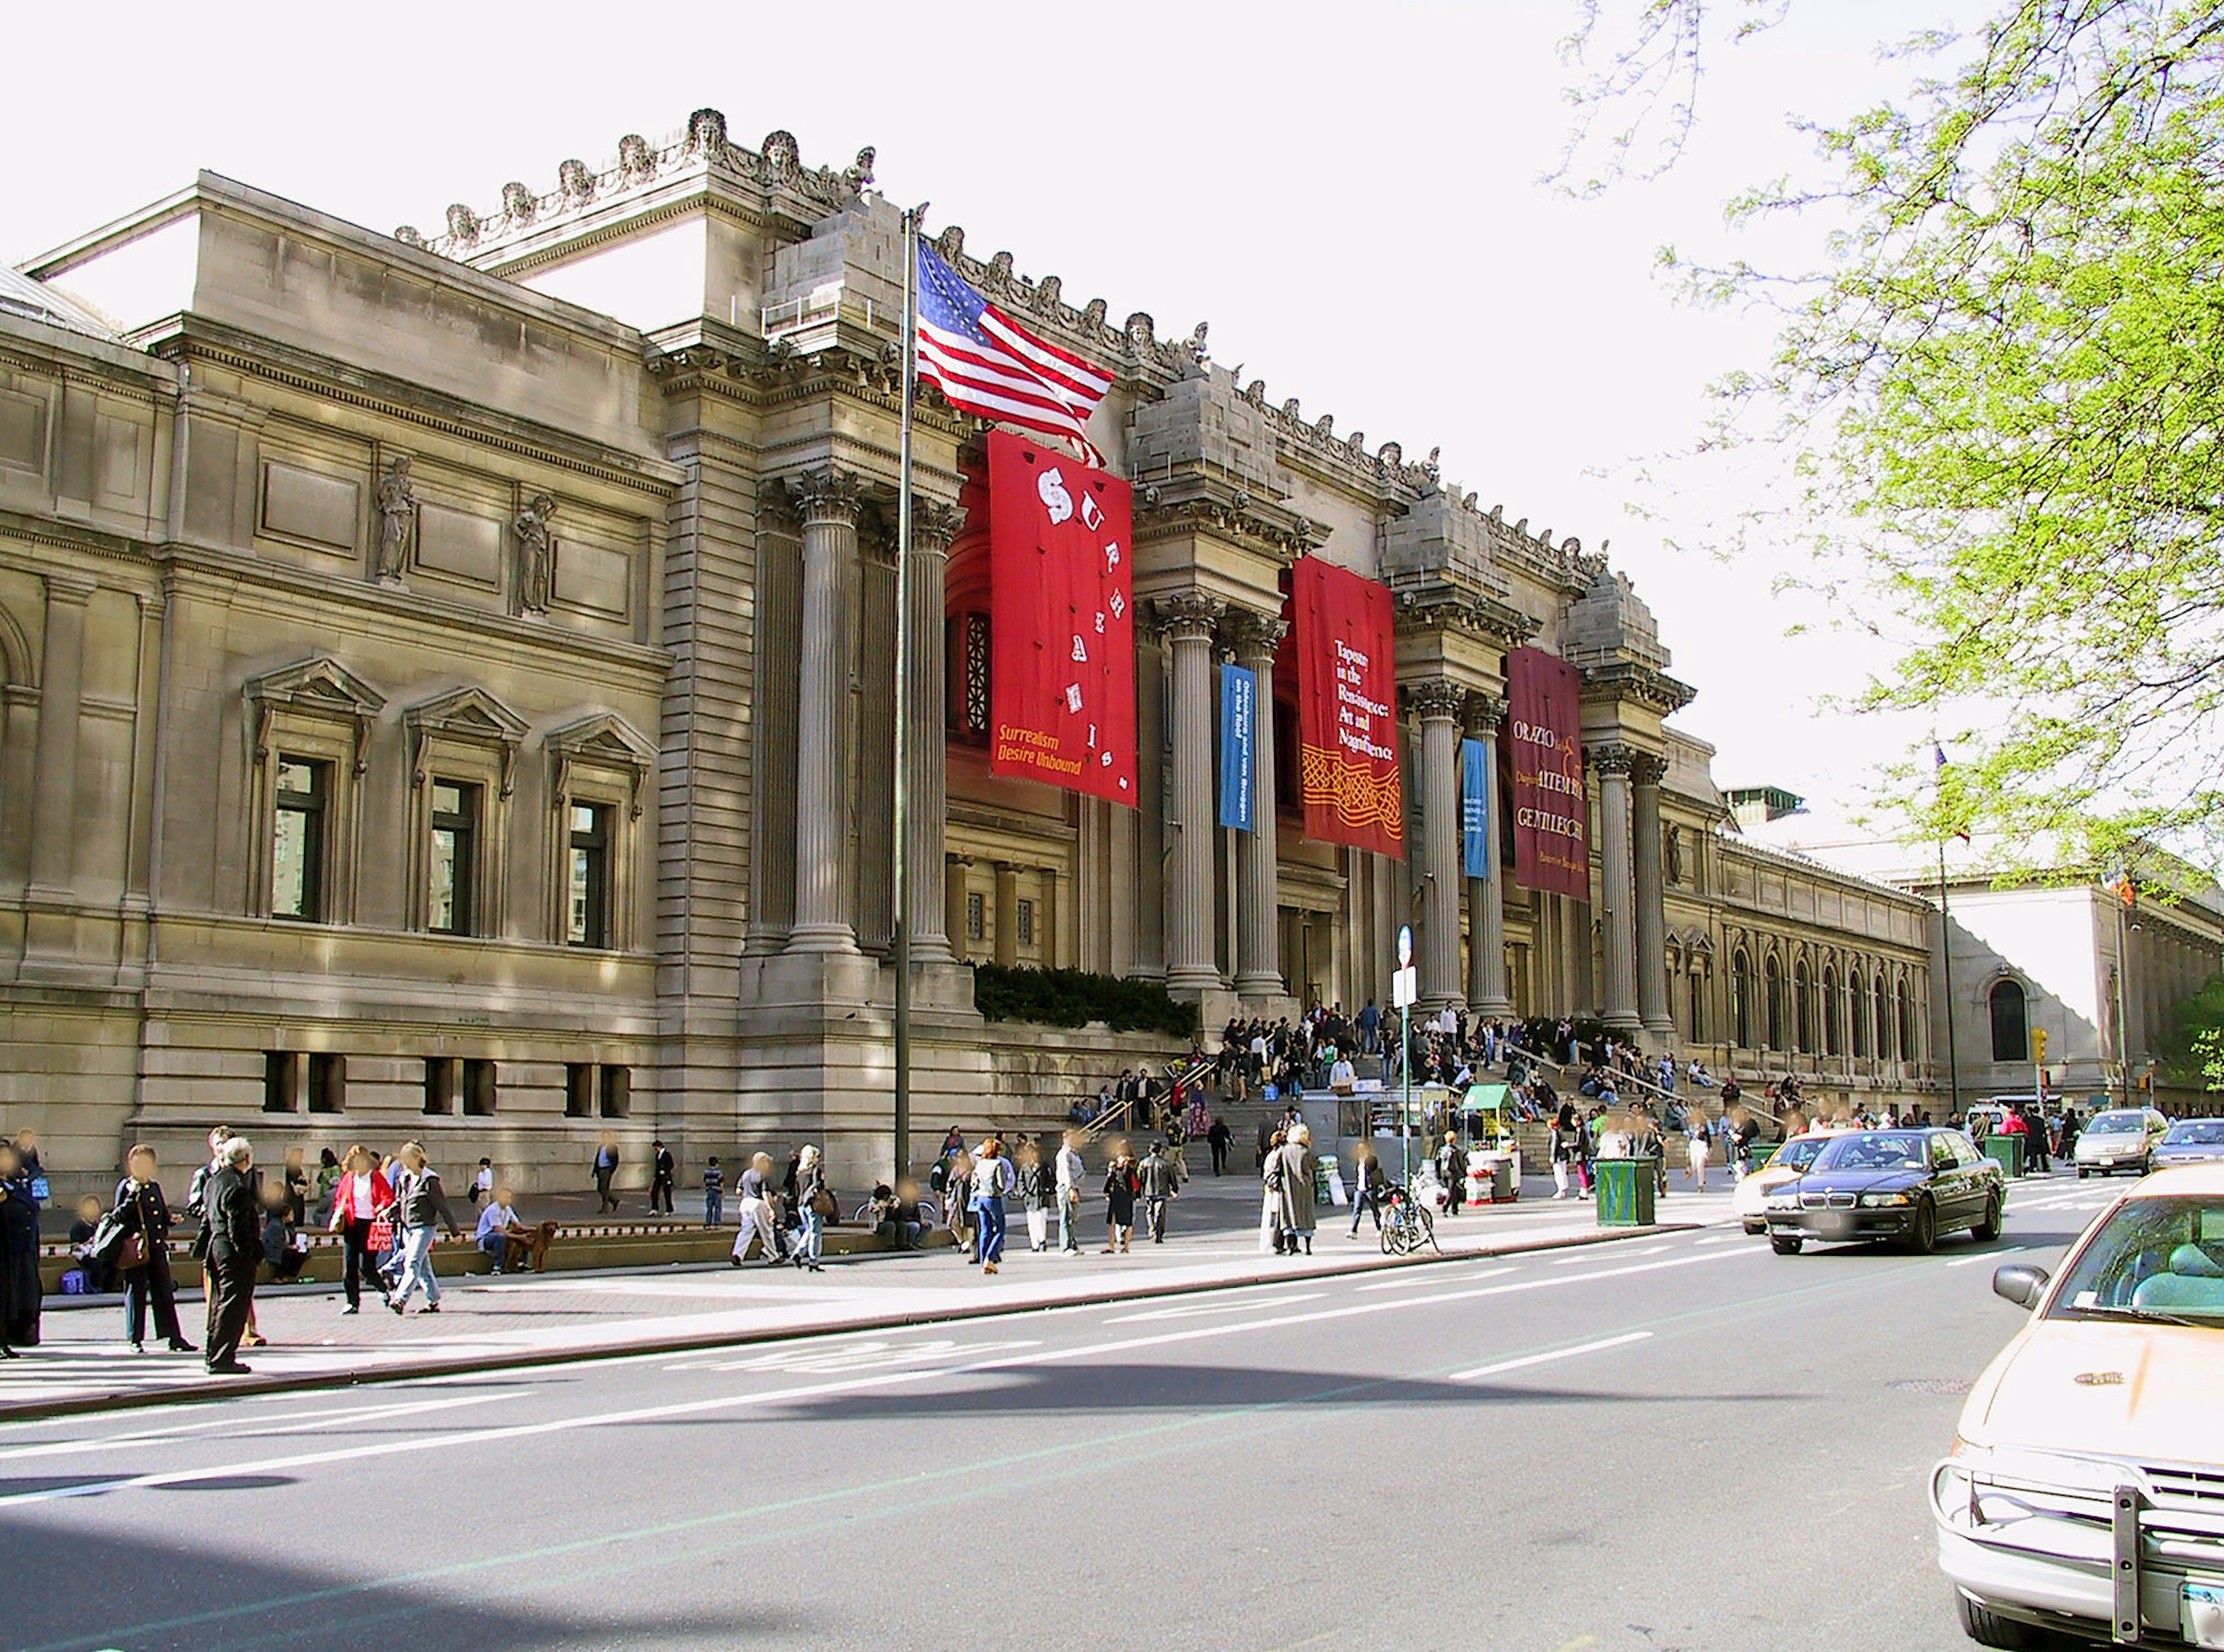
(1239,742)
(1475,809)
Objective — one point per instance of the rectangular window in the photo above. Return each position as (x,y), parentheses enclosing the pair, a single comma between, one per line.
(1026,924)
(455,848)
(328,1083)
(281,1082)
(976,915)
(587,899)
(439,1086)
(297,849)
(976,724)
(617,1092)
(478,1089)
(579,1090)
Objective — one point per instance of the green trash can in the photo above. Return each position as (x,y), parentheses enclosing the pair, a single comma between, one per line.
(2008,1149)
(1626,1192)
(1763,1152)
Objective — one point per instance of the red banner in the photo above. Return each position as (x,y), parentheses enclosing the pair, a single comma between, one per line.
(1062,666)
(1347,708)
(1544,754)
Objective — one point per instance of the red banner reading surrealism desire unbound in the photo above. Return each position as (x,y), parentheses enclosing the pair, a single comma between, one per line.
(1544,752)
(1062,600)
(1347,708)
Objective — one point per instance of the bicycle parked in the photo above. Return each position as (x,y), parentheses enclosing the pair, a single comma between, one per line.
(1406,1224)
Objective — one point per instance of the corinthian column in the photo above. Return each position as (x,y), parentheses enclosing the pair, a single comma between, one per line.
(925,755)
(1611,764)
(1437,703)
(1485,895)
(1258,935)
(1187,619)
(1652,1007)
(828,502)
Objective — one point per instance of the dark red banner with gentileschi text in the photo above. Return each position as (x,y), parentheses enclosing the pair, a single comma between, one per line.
(1544,754)
(1341,633)
(1062,608)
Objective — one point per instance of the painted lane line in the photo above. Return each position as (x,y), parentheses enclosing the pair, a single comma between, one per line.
(1410,1284)
(249,1427)
(1195,1309)
(1527,1360)
(818,1391)
(827,1361)
(1987,1256)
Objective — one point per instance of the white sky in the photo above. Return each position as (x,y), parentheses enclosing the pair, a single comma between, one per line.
(1349,194)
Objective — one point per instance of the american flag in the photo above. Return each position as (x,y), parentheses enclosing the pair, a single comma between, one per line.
(987,364)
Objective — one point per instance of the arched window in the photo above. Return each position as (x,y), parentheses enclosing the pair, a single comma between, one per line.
(1882,1004)
(1830,1040)
(1742,999)
(1906,1021)
(2011,1022)
(1803,1005)
(1772,992)
(1857,1013)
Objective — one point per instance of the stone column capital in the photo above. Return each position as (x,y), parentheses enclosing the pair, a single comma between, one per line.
(1253,638)
(1613,759)
(1432,699)
(1647,769)
(70,588)
(933,525)
(1485,713)
(828,495)
(1187,615)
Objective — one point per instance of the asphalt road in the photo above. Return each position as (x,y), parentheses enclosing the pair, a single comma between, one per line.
(1684,1442)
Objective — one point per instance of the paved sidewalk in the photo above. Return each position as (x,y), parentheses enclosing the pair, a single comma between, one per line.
(486,1323)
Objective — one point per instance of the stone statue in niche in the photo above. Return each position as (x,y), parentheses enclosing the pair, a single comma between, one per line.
(1675,856)
(536,554)
(397,523)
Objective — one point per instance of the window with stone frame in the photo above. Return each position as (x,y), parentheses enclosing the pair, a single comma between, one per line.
(462,748)
(602,769)
(1772,987)
(2011,1021)
(1742,999)
(309,725)
(976,915)
(1023,921)
(968,657)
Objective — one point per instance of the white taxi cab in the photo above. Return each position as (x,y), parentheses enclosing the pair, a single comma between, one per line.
(2085,1493)
(1749,1198)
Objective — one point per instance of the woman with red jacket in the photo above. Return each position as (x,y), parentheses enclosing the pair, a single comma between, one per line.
(360,1197)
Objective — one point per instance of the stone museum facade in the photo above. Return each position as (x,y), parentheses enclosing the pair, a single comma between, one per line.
(450,690)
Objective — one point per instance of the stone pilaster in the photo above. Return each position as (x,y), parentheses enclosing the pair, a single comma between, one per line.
(1258,932)
(1612,763)
(1187,619)
(925,758)
(61,692)
(1435,703)
(829,503)
(1487,992)
(773,746)
(1653,1008)
(1008,913)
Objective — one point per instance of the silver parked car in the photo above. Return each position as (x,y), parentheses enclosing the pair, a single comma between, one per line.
(2123,1138)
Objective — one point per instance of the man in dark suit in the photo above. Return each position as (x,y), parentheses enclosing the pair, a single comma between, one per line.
(231,1244)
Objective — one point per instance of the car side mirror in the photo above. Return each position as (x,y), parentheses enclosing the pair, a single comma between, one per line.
(2020,1284)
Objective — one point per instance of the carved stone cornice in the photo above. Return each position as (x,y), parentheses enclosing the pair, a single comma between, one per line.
(828,497)
(1611,758)
(1628,680)
(1187,615)
(1433,700)
(1485,713)
(1195,503)
(1437,607)
(1253,638)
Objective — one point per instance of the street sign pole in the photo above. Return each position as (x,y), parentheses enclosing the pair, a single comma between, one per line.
(1403,993)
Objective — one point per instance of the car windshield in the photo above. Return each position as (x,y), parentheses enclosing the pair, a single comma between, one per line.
(2116,1124)
(2158,1257)
(1872,1151)
(1798,1156)
(2209,1132)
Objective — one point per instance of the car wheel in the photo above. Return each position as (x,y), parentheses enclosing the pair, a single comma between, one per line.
(1754,1229)
(1987,1227)
(1990,1629)
(2082,1173)
(1785,1245)
(1923,1232)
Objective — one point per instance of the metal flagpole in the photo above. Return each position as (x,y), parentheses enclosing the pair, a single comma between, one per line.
(900,940)
(1946,962)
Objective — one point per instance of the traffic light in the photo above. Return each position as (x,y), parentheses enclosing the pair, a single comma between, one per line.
(2039,1045)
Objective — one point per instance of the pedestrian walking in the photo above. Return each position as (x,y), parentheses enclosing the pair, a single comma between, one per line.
(606,1168)
(663,1177)
(418,1201)
(814,1205)
(1220,1138)
(22,1293)
(1289,1179)
(363,1200)
(1038,1194)
(1069,1173)
(1160,1176)
(1120,1187)
(714,1194)
(141,1215)
(196,1207)
(1370,1182)
(482,1183)
(1695,1152)
(1452,1170)
(758,1221)
(957,1200)
(992,1180)
(230,1244)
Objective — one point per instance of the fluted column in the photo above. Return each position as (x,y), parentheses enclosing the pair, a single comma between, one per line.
(1611,764)
(828,502)
(62,689)
(1258,933)
(1652,1006)
(1485,895)
(926,757)
(1437,703)
(1187,619)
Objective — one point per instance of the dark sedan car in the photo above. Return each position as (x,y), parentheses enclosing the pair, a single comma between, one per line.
(1911,1184)
(2190,1141)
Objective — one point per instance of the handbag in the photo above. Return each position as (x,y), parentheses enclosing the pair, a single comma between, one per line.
(133,1254)
(823,1205)
(381,1237)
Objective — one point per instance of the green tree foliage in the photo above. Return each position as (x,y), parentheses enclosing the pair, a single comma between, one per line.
(2192,1053)
(2000,401)
(1075,998)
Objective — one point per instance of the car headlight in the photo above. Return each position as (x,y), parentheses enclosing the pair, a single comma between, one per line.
(1873,1200)
(1781,1202)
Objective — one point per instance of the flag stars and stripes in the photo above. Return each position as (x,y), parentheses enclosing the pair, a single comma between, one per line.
(987,365)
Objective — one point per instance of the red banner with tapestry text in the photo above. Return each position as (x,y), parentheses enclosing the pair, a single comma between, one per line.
(1545,758)
(1347,672)
(1062,602)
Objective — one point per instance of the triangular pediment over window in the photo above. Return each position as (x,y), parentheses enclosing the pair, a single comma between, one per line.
(603,737)
(469,714)
(317,685)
